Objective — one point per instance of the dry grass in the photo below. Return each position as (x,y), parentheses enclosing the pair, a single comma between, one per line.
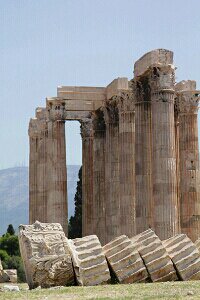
(168,290)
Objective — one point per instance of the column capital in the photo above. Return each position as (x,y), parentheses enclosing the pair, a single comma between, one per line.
(37,128)
(98,121)
(111,111)
(187,102)
(56,111)
(125,101)
(86,128)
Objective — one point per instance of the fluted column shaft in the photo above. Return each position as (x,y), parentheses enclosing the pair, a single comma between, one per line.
(112,186)
(56,174)
(99,176)
(143,157)
(127,164)
(166,217)
(33,141)
(87,177)
(41,176)
(189,165)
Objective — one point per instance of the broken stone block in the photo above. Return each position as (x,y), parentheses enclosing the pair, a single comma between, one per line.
(1,267)
(10,275)
(45,254)
(155,256)
(185,256)
(89,261)
(125,261)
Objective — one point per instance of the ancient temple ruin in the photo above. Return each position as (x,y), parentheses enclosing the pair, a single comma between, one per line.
(139,152)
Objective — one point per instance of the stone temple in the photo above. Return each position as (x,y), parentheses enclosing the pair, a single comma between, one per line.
(139,152)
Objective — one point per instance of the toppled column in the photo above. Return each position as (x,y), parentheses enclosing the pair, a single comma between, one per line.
(56,166)
(187,108)
(125,261)
(99,135)
(155,256)
(126,107)
(45,254)
(87,176)
(185,256)
(112,179)
(89,261)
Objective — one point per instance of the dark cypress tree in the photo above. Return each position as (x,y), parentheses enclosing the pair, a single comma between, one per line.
(75,222)
(10,229)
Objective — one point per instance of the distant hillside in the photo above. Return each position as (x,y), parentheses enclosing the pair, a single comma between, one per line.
(14,195)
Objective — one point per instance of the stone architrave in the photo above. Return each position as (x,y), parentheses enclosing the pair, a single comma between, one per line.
(185,256)
(89,262)
(99,204)
(126,107)
(125,261)
(88,216)
(155,256)
(187,108)
(112,179)
(45,254)
(57,208)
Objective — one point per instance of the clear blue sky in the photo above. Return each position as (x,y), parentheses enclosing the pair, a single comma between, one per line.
(46,43)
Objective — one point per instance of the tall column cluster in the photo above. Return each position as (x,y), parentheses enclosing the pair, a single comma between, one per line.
(140,154)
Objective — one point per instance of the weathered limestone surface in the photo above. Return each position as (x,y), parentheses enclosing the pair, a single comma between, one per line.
(125,261)
(87,177)
(155,256)
(187,108)
(45,255)
(89,261)
(56,167)
(185,256)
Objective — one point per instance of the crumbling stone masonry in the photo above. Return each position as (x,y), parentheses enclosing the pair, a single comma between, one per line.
(140,154)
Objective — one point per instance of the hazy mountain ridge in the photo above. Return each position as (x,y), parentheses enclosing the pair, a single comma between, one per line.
(14,195)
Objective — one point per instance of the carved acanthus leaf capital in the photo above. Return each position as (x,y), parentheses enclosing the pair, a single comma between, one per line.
(125,101)
(98,121)
(86,128)
(187,102)
(162,77)
(111,111)
(56,111)
(37,128)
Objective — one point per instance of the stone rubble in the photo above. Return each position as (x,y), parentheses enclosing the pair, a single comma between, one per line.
(125,261)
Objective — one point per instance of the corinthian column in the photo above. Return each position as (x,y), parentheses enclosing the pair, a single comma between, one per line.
(166,217)
(56,167)
(187,107)
(88,216)
(33,142)
(127,163)
(41,165)
(143,154)
(112,183)
(99,176)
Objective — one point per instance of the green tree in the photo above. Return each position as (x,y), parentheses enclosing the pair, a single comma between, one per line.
(10,229)
(75,222)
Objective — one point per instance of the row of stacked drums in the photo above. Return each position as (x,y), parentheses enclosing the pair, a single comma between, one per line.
(143,258)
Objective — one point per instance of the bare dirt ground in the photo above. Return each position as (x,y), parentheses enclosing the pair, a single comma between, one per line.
(168,290)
